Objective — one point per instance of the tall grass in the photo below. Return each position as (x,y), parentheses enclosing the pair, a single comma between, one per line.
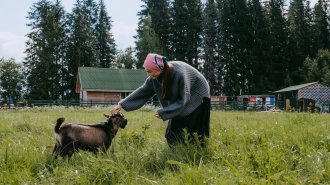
(244,148)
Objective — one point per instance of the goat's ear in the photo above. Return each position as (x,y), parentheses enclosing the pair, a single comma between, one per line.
(106,115)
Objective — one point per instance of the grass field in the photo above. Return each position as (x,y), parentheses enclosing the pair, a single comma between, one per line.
(244,148)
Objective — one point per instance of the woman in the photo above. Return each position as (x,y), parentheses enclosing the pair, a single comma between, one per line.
(183,93)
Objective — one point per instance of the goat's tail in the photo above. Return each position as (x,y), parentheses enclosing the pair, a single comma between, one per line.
(58,124)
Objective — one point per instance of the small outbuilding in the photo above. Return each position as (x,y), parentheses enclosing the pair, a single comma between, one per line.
(309,96)
(221,100)
(107,85)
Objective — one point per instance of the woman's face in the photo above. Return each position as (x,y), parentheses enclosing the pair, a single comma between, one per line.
(153,74)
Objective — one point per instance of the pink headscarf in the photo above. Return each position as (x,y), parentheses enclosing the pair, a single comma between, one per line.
(154,62)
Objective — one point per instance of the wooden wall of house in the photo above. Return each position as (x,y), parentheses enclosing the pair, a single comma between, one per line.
(104,96)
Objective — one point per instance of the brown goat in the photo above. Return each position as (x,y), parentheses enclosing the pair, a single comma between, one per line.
(74,136)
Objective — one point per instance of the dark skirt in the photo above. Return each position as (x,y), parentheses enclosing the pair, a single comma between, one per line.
(198,122)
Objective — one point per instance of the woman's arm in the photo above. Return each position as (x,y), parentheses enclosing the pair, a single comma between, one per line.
(139,97)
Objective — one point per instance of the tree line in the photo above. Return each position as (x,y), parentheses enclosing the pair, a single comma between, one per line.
(240,46)
(247,46)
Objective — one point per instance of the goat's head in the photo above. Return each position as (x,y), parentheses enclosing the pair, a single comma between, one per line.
(116,120)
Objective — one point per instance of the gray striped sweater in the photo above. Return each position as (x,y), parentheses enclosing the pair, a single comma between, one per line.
(188,89)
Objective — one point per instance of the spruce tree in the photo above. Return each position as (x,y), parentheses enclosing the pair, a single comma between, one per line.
(186,30)
(320,27)
(147,42)
(106,46)
(212,67)
(257,66)
(299,43)
(160,20)
(81,45)
(234,26)
(43,61)
(223,42)
(278,35)
(60,46)
(91,9)
(145,11)
(194,31)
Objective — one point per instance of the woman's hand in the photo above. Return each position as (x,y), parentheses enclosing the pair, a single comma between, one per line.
(115,109)
(157,115)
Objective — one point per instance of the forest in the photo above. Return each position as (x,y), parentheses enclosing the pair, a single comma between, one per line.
(240,46)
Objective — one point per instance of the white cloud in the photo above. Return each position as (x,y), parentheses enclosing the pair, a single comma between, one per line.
(12,46)
(123,34)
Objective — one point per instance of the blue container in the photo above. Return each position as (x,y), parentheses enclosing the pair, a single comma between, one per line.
(272,100)
(10,100)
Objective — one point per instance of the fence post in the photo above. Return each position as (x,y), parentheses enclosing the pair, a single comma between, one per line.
(287,105)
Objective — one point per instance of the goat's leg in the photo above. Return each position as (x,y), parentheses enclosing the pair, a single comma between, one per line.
(102,149)
(55,151)
(67,150)
(105,147)
(70,153)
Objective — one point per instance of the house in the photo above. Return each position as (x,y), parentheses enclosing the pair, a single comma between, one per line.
(302,97)
(107,85)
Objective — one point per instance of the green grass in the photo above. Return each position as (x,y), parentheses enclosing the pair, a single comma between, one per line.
(244,148)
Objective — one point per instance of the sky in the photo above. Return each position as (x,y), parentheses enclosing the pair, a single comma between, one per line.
(13,22)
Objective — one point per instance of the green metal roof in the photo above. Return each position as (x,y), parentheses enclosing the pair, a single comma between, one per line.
(111,79)
(296,87)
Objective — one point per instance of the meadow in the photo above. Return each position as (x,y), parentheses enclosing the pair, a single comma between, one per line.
(244,148)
